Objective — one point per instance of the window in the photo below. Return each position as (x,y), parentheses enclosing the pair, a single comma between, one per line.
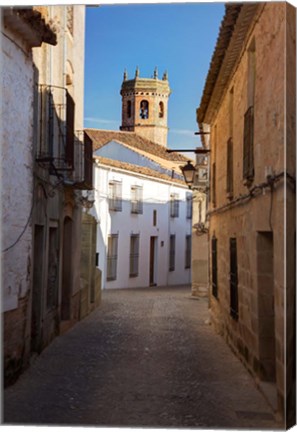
(112,257)
(174,205)
(230,168)
(69,152)
(213,184)
(248,145)
(248,137)
(129,109)
(188,251)
(214,267)
(233,279)
(161,109)
(115,195)
(172,252)
(136,200)
(144,109)
(155,218)
(134,254)
(189,205)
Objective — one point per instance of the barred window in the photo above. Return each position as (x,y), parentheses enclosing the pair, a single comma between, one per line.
(137,199)
(172,252)
(134,254)
(233,279)
(115,196)
(189,200)
(188,251)
(174,205)
(112,257)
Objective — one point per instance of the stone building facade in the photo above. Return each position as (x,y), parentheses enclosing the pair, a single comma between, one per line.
(248,104)
(54,162)
(144,106)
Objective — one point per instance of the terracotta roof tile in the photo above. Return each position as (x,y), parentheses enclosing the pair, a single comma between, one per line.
(137,169)
(101,137)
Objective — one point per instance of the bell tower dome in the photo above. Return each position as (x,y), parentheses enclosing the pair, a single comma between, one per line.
(144,106)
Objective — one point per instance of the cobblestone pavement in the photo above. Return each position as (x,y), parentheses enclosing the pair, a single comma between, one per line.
(146,357)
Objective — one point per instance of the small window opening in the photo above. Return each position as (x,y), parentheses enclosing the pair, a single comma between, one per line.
(144,109)
(161,110)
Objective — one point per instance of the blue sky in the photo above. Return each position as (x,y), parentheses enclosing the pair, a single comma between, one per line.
(177,37)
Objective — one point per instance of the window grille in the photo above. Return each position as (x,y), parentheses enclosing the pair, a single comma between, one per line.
(233,279)
(174,205)
(112,257)
(188,251)
(172,252)
(248,144)
(54,135)
(230,167)
(134,254)
(136,200)
(189,200)
(214,267)
(115,196)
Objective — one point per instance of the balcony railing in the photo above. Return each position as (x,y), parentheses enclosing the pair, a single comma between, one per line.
(58,147)
(54,128)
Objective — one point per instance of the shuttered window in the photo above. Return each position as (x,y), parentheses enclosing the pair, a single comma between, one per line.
(88,162)
(213,183)
(134,254)
(172,252)
(230,167)
(233,279)
(214,267)
(248,144)
(112,257)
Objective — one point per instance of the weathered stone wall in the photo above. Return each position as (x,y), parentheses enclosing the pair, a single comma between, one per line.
(252,220)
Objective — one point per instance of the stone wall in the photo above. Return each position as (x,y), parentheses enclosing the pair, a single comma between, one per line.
(257,222)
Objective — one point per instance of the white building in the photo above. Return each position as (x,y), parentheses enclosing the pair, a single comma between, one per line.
(142,204)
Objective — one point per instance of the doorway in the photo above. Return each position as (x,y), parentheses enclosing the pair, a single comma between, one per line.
(67,269)
(36,313)
(153,260)
(266,315)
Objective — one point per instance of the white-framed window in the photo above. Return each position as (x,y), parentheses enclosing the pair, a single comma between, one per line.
(136,199)
(115,195)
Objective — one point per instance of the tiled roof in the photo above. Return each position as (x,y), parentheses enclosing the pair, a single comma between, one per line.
(233,31)
(30,24)
(137,169)
(101,137)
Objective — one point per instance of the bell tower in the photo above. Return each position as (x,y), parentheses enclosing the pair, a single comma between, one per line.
(144,106)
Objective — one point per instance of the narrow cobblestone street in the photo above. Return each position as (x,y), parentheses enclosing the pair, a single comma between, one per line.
(146,357)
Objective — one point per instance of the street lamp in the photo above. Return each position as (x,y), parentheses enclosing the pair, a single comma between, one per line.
(189,173)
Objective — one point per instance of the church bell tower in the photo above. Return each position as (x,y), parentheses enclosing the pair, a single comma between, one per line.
(144,106)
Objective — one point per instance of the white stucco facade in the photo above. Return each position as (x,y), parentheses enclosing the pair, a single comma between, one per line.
(17,163)
(156,197)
